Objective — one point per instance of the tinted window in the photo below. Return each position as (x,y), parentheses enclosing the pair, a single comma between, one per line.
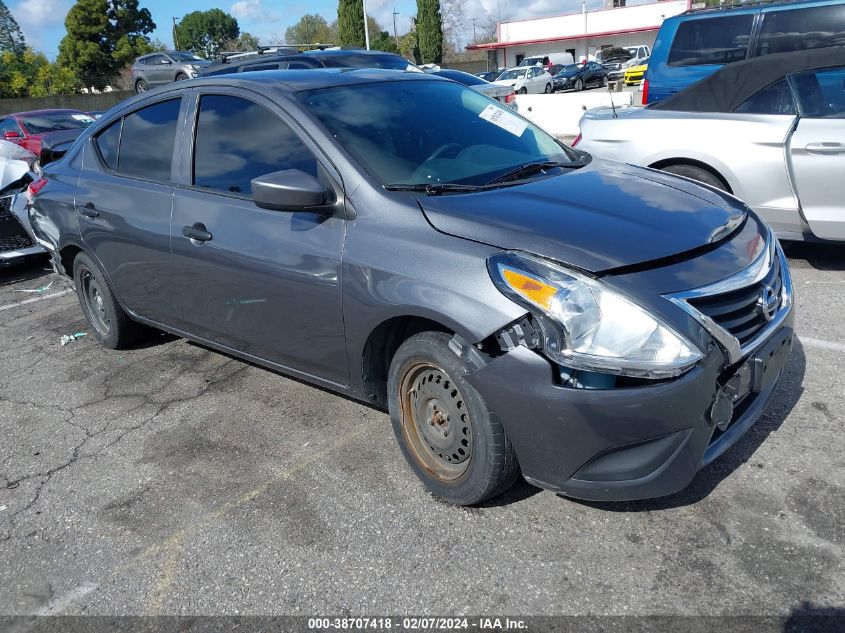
(775,99)
(107,143)
(238,140)
(147,140)
(56,121)
(821,93)
(800,29)
(154,59)
(390,62)
(461,77)
(10,125)
(256,67)
(719,40)
(458,135)
(300,65)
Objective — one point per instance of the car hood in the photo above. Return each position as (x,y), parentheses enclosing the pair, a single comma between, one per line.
(600,217)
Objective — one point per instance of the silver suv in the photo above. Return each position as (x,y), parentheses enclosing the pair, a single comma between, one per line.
(164,67)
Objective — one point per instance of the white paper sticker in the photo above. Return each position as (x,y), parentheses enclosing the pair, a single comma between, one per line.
(82,117)
(504,119)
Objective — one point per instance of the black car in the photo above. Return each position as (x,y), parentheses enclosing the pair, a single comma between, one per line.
(517,306)
(579,76)
(332,58)
(490,75)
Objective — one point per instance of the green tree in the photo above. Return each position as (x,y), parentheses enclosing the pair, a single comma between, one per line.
(11,37)
(409,46)
(102,37)
(30,74)
(244,42)
(206,32)
(311,29)
(350,23)
(430,31)
(383,41)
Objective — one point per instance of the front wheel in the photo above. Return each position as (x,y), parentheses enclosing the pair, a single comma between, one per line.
(181,77)
(549,90)
(522,91)
(604,82)
(445,430)
(696,173)
(579,85)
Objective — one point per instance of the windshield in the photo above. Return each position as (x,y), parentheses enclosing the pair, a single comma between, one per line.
(55,121)
(387,62)
(512,74)
(531,61)
(461,77)
(185,57)
(429,132)
(571,68)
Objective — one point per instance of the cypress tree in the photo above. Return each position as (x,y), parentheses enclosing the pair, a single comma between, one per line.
(11,37)
(430,31)
(350,23)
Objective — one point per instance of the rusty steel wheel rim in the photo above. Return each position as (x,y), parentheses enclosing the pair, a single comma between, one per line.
(435,421)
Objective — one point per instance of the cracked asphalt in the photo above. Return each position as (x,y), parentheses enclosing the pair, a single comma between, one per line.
(170,479)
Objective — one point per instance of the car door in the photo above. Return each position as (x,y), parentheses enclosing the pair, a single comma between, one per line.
(158,69)
(817,150)
(534,75)
(265,283)
(124,200)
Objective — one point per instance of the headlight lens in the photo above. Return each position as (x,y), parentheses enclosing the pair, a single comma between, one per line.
(587,325)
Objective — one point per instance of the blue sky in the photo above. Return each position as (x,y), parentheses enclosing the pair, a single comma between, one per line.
(42,21)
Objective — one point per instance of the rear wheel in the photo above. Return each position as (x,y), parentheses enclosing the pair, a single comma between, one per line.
(140,86)
(549,89)
(579,85)
(696,173)
(445,430)
(522,91)
(604,82)
(108,321)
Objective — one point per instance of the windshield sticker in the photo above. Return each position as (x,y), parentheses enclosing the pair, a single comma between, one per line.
(503,119)
(82,117)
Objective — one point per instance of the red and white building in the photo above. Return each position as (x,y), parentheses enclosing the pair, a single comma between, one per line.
(582,33)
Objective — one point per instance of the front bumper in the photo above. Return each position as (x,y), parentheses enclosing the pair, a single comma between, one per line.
(625,443)
(15,240)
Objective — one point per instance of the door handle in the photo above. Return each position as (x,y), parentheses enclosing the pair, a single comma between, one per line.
(825,148)
(196,232)
(89,210)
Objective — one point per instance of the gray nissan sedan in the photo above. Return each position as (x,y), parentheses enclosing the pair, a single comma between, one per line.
(517,306)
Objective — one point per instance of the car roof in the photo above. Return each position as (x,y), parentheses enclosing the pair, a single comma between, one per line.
(45,111)
(334,52)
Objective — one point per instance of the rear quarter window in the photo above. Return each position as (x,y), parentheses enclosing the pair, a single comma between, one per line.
(801,29)
(716,40)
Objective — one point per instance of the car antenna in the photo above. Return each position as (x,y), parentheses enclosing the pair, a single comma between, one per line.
(612,105)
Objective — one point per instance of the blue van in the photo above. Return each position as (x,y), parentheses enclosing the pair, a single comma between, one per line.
(695,44)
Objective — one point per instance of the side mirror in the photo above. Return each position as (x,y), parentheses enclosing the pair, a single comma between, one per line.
(10,134)
(290,190)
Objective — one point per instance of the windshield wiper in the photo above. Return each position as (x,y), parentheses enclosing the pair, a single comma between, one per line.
(529,169)
(435,189)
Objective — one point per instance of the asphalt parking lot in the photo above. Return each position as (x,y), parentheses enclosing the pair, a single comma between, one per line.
(172,479)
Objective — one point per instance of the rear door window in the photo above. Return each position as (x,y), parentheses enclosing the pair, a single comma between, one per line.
(147,141)
(717,40)
(107,143)
(774,99)
(800,29)
(238,140)
(821,93)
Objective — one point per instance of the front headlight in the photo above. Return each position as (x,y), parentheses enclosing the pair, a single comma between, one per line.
(587,325)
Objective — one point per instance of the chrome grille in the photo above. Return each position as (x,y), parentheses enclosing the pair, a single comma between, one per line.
(741,311)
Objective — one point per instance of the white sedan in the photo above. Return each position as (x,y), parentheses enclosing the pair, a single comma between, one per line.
(527,80)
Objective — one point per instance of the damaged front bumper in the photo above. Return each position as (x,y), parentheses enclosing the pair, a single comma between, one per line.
(16,241)
(634,442)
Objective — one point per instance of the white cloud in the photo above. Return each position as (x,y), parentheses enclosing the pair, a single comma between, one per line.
(34,13)
(253,11)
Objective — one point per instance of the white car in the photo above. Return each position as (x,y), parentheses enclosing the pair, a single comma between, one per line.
(770,130)
(527,80)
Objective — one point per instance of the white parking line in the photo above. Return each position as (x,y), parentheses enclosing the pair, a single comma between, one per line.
(818,343)
(18,304)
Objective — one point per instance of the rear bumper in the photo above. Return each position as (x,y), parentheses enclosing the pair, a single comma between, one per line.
(624,443)
(15,241)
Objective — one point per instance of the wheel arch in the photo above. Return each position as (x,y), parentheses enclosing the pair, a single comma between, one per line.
(692,162)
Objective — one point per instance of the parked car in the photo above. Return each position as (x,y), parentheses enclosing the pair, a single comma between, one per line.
(45,133)
(515,305)
(163,67)
(770,130)
(633,76)
(328,58)
(527,80)
(695,44)
(579,76)
(502,94)
(548,60)
(18,168)
(490,76)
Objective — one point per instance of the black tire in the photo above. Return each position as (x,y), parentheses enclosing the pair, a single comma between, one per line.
(181,76)
(549,90)
(522,91)
(140,86)
(604,82)
(579,85)
(107,320)
(426,382)
(696,173)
